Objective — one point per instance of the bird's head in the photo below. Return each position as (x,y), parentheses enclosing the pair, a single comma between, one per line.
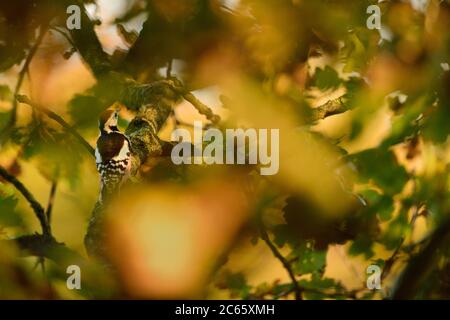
(108,119)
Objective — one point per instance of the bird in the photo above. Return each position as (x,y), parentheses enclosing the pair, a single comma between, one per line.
(112,154)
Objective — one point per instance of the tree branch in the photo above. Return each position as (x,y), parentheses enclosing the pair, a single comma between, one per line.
(42,246)
(200,106)
(88,45)
(154,103)
(284,262)
(37,208)
(57,118)
(330,108)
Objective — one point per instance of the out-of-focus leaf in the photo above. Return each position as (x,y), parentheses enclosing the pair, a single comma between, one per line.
(362,245)
(355,53)
(4,118)
(85,111)
(5,92)
(304,222)
(8,214)
(166,238)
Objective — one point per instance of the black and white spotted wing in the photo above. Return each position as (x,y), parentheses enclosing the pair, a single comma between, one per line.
(113,160)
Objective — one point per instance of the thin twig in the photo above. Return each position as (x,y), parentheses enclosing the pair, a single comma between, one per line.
(51,200)
(40,261)
(169,69)
(23,71)
(57,118)
(37,208)
(285,263)
(38,245)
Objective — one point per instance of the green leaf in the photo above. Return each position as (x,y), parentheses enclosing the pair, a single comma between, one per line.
(282,288)
(8,214)
(4,118)
(10,55)
(309,260)
(314,295)
(282,235)
(380,166)
(236,283)
(327,78)
(354,85)
(362,245)
(318,283)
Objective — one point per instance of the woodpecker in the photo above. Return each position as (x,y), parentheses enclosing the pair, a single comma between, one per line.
(112,154)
